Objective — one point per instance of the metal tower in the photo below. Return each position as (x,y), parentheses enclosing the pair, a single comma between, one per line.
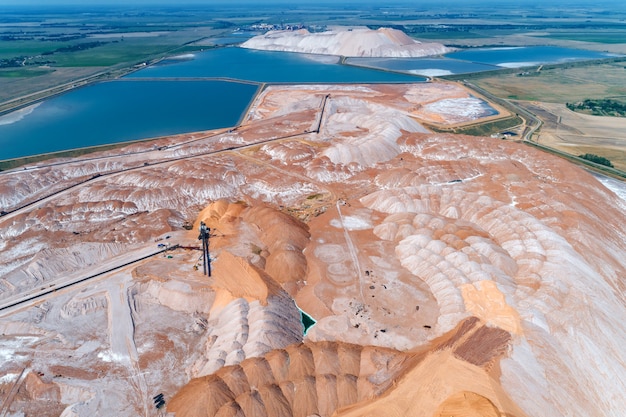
(205,233)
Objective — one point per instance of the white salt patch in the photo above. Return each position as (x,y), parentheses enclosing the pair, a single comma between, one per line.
(109,356)
(8,348)
(351,223)
(17,115)
(26,340)
(8,378)
(430,72)
(517,64)
(183,56)
(458,109)
(323,59)
(6,354)
(618,187)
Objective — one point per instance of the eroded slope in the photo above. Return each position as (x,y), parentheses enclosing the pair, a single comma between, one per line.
(336,198)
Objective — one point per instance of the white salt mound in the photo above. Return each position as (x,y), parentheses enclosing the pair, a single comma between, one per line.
(384,42)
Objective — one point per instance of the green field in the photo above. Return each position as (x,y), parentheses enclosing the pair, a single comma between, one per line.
(10,49)
(112,53)
(443,36)
(23,72)
(608,37)
(56,46)
(568,83)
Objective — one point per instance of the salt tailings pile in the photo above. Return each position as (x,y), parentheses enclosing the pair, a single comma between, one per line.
(362,42)
(449,275)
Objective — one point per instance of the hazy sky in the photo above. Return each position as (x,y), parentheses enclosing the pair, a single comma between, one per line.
(234,2)
(214,2)
(180,2)
(579,3)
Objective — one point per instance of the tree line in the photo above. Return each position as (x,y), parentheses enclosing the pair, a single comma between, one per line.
(602,107)
(597,159)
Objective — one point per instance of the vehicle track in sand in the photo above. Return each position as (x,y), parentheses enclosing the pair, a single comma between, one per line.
(36,296)
(6,404)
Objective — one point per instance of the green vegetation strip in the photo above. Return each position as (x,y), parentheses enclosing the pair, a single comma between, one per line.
(597,159)
(613,37)
(24,73)
(604,107)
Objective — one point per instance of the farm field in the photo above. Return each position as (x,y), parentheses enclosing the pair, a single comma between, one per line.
(559,84)
(51,48)
(545,93)
(577,133)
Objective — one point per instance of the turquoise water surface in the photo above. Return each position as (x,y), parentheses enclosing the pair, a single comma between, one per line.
(175,96)
(185,95)
(270,67)
(481,59)
(526,56)
(120,111)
